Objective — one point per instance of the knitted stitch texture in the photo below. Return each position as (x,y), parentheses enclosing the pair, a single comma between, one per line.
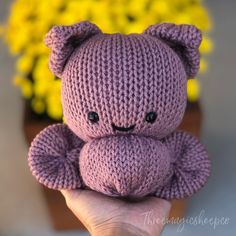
(123,97)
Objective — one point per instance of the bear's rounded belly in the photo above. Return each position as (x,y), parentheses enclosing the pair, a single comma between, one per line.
(125,165)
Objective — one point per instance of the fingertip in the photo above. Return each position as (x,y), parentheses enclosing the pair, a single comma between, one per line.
(65,192)
(69,194)
(164,203)
(167,204)
(165,207)
(161,205)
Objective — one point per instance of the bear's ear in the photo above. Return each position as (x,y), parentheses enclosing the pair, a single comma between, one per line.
(183,39)
(62,40)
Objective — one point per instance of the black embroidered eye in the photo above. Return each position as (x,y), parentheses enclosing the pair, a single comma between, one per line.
(151,117)
(93,116)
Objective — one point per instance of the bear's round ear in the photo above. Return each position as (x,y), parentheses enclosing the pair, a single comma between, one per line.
(62,40)
(183,39)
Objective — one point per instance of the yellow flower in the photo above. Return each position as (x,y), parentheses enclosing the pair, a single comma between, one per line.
(193,90)
(1,30)
(25,85)
(43,80)
(54,108)
(63,119)
(24,64)
(38,105)
(41,70)
(29,20)
(27,88)
(53,100)
(162,8)
(18,80)
(203,65)
(37,49)
(206,45)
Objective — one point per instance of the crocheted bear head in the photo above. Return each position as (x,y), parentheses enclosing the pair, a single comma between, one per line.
(118,84)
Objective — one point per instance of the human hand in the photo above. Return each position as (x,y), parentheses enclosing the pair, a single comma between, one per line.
(103,215)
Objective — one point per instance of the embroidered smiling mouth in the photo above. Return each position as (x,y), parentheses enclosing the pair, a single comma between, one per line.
(122,129)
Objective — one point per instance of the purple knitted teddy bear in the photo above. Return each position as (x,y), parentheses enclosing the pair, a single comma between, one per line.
(123,97)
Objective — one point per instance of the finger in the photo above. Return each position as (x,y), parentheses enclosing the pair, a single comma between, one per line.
(71,196)
(161,206)
(85,200)
(164,207)
(68,194)
(75,202)
(161,202)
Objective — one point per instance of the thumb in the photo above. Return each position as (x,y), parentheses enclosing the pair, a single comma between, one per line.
(76,203)
(71,197)
(70,194)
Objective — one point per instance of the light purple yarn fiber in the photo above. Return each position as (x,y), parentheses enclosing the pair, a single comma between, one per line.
(123,97)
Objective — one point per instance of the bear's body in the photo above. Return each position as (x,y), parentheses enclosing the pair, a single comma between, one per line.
(123,97)
(125,165)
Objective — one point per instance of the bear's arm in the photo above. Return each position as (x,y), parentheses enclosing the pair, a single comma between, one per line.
(54,157)
(190,166)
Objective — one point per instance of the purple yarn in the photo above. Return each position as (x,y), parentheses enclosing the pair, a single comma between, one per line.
(123,97)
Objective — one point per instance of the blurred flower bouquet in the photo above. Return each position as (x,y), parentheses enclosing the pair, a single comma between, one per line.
(29,21)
